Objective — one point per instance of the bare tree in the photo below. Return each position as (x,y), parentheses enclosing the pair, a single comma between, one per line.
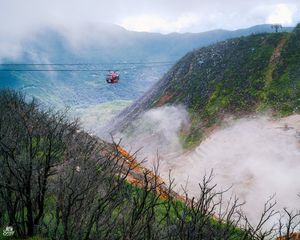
(31,145)
(260,230)
(289,224)
(276,27)
(62,183)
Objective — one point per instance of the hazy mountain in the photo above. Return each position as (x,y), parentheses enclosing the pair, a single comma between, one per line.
(108,43)
(238,77)
(102,47)
(111,43)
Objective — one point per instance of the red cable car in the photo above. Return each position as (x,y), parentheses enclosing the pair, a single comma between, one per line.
(112,77)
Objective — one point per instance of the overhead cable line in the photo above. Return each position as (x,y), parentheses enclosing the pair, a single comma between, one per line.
(78,70)
(85,64)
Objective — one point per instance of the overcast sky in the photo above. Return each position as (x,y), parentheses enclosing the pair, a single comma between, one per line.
(149,15)
(19,18)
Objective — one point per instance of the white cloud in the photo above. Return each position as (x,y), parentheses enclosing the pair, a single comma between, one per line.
(21,19)
(156,132)
(154,23)
(257,156)
(208,15)
(282,14)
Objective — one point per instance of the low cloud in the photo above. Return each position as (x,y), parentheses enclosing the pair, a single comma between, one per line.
(283,14)
(155,133)
(257,156)
(154,23)
(21,20)
(95,118)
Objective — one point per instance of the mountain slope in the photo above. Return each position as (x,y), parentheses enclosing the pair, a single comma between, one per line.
(238,76)
(107,45)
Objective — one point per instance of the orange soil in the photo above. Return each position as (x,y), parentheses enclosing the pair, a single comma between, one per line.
(163,100)
(293,236)
(276,54)
(141,172)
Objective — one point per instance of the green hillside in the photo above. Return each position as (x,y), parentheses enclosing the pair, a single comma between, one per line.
(58,182)
(238,76)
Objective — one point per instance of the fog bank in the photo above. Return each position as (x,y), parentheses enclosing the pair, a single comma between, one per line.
(155,133)
(257,156)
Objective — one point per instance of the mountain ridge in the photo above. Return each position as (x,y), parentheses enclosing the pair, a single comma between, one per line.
(102,47)
(237,76)
(106,40)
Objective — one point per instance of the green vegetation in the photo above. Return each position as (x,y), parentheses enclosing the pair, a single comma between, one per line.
(283,93)
(58,182)
(237,77)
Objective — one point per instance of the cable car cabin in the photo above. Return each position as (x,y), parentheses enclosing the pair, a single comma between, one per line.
(112,77)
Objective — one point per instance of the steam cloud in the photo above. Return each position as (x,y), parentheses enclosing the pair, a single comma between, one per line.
(257,156)
(156,131)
